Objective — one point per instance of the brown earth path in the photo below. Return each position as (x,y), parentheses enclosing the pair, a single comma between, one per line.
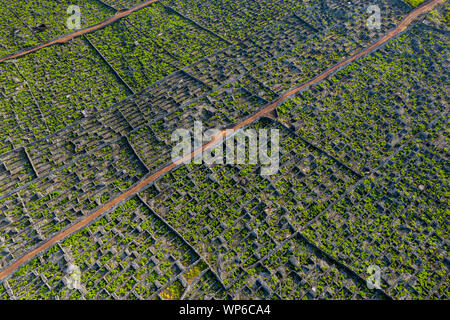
(215,141)
(67,37)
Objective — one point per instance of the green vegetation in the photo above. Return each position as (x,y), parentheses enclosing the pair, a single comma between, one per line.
(235,19)
(363,173)
(19,21)
(414,3)
(131,244)
(152,43)
(50,89)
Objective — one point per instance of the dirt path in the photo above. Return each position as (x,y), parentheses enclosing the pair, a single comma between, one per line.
(65,38)
(216,140)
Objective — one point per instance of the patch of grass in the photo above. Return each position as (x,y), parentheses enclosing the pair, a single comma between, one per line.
(414,3)
(173,292)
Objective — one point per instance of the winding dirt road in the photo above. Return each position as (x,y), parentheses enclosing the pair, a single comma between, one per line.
(67,37)
(216,140)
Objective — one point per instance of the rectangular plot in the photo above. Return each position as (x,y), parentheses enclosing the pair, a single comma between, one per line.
(299,271)
(44,20)
(56,200)
(228,64)
(319,53)
(364,112)
(130,254)
(235,20)
(283,36)
(182,39)
(60,84)
(278,76)
(15,171)
(231,214)
(75,141)
(139,63)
